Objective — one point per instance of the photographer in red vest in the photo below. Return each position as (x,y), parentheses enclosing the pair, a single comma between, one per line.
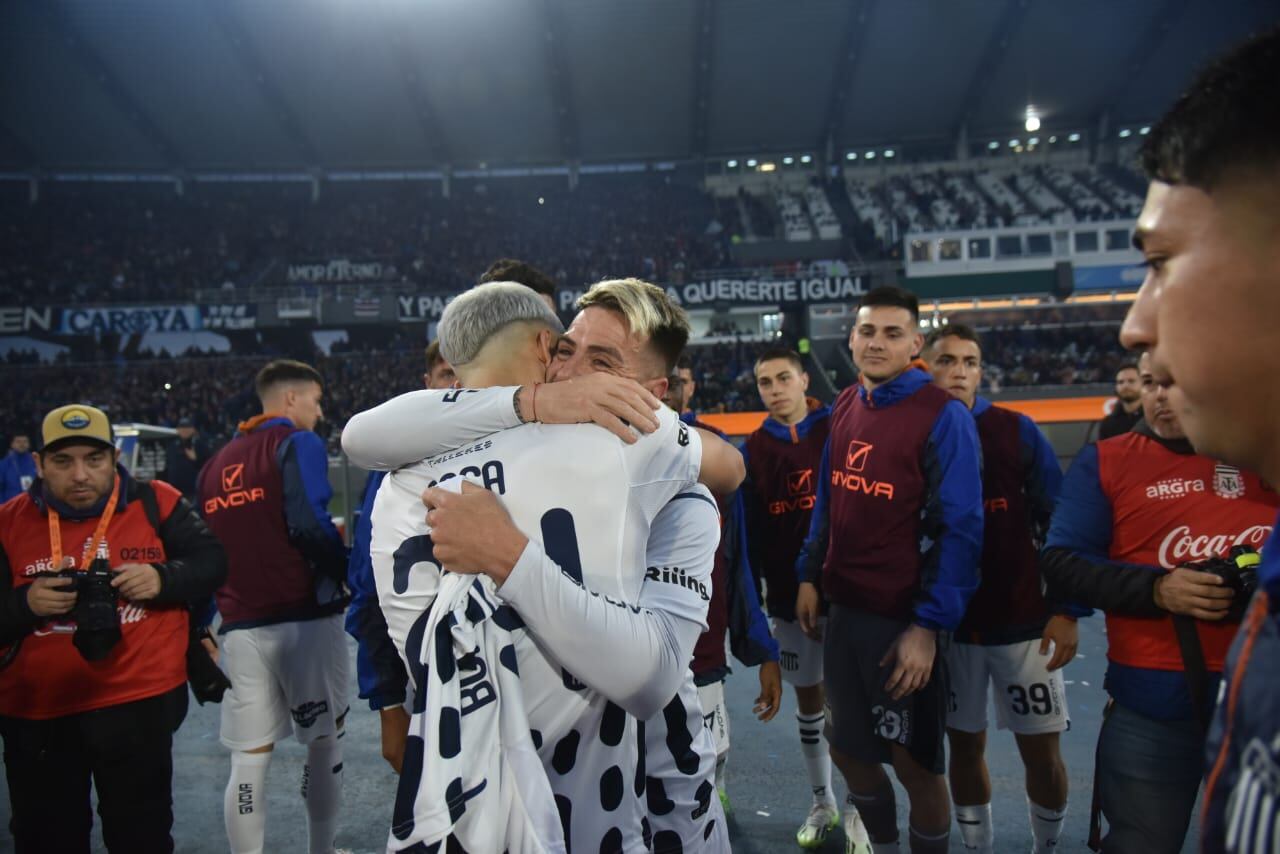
(96,575)
(1132,511)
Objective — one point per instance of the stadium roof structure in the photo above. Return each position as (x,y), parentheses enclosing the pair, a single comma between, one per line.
(173,85)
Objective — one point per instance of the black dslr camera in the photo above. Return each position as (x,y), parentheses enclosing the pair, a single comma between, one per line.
(1239,573)
(97,620)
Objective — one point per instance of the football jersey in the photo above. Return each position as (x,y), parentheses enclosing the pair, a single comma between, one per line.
(588,500)
(679,751)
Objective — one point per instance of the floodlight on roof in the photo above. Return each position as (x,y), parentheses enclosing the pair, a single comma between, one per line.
(751,164)
(852,155)
(1126,133)
(1075,137)
(768,167)
(805,158)
(1144,130)
(1032,122)
(732,164)
(871,155)
(1013,143)
(788,160)
(993,145)
(889,152)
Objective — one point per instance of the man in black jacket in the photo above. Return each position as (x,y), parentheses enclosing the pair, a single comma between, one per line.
(95,682)
(184,457)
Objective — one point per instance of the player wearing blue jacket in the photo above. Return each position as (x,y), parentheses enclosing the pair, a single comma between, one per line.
(894,543)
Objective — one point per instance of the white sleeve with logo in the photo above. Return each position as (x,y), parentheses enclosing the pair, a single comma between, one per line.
(635,655)
(422,424)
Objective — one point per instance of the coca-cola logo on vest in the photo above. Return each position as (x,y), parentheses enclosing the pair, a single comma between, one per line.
(1181,545)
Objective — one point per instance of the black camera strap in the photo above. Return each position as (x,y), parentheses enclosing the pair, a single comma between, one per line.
(1197,672)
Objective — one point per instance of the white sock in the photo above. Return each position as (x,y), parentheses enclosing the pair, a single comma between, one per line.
(1046,824)
(244,804)
(976,831)
(322,790)
(817,756)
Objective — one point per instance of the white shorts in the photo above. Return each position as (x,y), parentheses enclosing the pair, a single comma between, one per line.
(799,655)
(1029,699)
(714,715)
(285,678)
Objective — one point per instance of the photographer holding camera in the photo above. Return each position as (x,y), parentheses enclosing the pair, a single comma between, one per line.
(97,572)
(1142,530)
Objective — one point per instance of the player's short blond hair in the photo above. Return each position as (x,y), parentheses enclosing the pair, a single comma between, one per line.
(649,312)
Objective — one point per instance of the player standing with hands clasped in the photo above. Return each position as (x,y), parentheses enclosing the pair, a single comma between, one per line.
(894,544)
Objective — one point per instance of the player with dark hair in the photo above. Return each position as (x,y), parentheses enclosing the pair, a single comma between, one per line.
(783,458)
(439,373)
(513,270)
(1002,647)
(894,543)
(1128,407)
(1210,234)
(265,496)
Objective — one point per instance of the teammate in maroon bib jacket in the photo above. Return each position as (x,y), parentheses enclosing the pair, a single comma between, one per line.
(1002,647)
(783,458)
(894,543)
(265,496)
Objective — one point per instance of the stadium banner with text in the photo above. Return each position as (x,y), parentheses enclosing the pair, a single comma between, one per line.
(334,271)
(229,316)
(731,293)
(16,319)
(419,307)
(130,320)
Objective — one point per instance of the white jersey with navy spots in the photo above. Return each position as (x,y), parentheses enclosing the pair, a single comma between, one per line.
(684,811)
(586,501)
(487,790)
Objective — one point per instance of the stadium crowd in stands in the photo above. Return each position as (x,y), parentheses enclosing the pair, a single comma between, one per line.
(99,243)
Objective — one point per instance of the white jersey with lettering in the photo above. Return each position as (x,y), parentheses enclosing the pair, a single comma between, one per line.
(585,500)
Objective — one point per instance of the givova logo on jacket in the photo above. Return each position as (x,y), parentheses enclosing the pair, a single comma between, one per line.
(234,493)
(855,462)
(800,497)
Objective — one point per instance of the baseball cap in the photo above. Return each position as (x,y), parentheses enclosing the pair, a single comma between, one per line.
(79,423)
(185,422)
